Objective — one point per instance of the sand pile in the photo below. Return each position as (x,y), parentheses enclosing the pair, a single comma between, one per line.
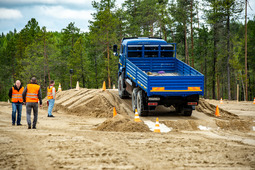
(121,123)
(88,102)
(238,125)
(188,125)
(209,109)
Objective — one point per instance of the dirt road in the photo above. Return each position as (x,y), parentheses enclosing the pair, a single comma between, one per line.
(70,141)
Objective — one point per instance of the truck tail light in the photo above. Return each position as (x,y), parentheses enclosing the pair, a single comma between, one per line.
(192,103)
(152,104)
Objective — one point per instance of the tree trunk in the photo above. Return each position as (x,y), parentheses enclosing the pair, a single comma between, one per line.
(96,71)
(108,58)
(245,54)
(82,71)
(45,54)
(214,61)
(197,18)
(186,45)
(218,87)
(191,32)
(228,51)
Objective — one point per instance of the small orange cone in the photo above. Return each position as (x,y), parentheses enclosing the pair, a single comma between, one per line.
(104,87)
(157,129)
(77,86)
(221,101)
(137,119)
(217,112)
(254,101)
(59,87)
(114,111)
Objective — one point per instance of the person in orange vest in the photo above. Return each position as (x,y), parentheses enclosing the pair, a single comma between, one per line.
(51,94)
(15,93)
(31,95)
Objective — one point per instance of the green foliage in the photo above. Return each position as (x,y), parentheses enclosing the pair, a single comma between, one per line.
(34,51)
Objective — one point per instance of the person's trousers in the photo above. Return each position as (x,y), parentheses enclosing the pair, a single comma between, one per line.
(29,107)
(51,104)
(16,107)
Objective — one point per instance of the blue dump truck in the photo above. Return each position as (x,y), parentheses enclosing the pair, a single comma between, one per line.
(151,73)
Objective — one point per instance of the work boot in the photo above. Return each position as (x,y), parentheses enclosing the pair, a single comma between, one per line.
(29,126)
(51,116)
(34,127)
(19,124)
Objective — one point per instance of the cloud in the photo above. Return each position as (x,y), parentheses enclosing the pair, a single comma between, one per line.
(51,2)
(6,13)
(60,12)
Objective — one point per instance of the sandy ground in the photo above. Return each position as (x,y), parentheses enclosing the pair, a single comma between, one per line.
(71,141)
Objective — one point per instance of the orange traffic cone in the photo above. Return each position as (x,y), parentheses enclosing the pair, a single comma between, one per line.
(59,87)
(137,119)
(104,87)
(77,86)
(114,111)
(157,129)
(221,101)
(254,101)
(217,112)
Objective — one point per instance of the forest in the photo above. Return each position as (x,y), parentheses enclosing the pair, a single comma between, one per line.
(210,36)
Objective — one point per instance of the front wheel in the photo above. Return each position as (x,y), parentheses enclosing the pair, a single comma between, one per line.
(122,91)
(134,98)
(140,104)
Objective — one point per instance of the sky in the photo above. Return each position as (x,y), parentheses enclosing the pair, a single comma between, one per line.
(55,14)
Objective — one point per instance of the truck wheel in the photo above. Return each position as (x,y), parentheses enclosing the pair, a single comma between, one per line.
(178,109)
(122,91)
(134,99)
(140,104)
(187,111)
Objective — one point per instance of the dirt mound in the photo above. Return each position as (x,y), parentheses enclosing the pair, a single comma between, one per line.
(88,102)
(121,123)
(239,125)
(209,109)
(188,125)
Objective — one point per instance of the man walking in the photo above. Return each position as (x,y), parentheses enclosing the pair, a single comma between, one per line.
(51,94)
(15,93)
(31,94)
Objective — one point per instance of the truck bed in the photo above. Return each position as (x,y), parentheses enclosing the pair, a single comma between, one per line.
(179,79)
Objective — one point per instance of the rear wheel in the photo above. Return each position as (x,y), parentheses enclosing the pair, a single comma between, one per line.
(140,104)
(134,99)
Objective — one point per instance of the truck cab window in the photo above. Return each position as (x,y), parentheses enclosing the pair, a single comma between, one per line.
(165,51)
(151,50)
(135,51)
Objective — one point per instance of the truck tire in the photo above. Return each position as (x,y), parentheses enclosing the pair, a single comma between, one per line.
(140,104)
(134,98)
(187,111)
(122,91)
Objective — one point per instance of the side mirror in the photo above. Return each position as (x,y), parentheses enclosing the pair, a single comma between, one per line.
(115,49)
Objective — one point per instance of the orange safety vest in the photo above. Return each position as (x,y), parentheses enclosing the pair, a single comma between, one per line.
(49,92)
(32,93)
(17,95)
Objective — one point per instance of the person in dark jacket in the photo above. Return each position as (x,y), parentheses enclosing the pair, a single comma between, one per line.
(31,95)
(15,93)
